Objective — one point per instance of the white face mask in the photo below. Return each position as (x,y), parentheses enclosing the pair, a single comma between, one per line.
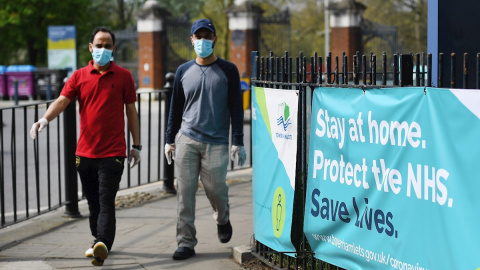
(203,47)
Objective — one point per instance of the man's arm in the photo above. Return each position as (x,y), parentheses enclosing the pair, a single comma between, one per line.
(133,123)
(177,103)
(134,126)
(57,107)
(235,103)
(53,111)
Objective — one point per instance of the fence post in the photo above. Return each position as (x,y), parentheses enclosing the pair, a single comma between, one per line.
(329,68)
(440,70)
(384,68)
(406,70)
(453,71)
(477,84)
(169,169)
(465,70)
(70,146)
(345,69)
(364,69)
(429,70)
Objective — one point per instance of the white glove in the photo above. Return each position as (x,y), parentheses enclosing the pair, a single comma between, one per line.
(38,126)
(135,156)
(170,152)
(238,151)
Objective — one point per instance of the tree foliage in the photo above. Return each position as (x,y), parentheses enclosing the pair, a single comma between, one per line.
(409,17)
(24,23)
(180,7)
(215,10)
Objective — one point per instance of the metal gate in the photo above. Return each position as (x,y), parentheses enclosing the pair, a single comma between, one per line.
(126,54)
(176,39)
(275,33)
(378,37)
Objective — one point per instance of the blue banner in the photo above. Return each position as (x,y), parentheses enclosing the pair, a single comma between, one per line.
(393,177)
(274,142)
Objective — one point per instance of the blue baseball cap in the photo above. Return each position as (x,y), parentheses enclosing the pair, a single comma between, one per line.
(203,23)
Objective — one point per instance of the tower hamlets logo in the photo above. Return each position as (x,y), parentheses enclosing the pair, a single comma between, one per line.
(283,116)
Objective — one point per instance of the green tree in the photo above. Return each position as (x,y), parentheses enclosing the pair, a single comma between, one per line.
(24,24)
(308,28)
(216,11)
(123,13)
(181,7)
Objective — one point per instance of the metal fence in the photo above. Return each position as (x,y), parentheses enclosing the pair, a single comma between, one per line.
(37,176)
(304,74)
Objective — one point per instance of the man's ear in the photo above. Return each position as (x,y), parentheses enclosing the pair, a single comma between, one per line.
(214,42)
(90,47)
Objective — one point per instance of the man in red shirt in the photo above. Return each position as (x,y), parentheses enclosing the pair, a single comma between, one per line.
(105,93)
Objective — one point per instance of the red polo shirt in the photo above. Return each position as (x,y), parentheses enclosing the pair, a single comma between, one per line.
(101,99)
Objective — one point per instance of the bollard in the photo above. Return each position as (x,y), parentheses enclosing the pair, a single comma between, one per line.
(255,66)
(168,172)
(49,88)
(70,146)
(15,92)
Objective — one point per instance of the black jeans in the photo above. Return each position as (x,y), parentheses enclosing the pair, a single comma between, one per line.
(100,179)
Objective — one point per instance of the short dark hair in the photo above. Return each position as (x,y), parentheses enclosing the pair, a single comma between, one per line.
(102,29)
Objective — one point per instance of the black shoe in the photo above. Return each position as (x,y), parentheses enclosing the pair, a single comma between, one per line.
(224,232)
(169,190)
(183,253)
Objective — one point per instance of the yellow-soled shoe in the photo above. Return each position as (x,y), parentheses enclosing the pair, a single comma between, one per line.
(100,253)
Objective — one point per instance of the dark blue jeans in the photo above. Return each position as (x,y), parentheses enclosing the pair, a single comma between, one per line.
(100,179)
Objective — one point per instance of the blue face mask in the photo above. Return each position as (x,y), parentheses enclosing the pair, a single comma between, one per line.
(203,47)
(102,56)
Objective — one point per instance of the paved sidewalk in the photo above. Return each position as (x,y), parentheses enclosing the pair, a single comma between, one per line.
(145,236)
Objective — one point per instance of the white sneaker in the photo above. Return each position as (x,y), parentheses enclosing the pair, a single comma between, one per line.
(100,253)
(89,253)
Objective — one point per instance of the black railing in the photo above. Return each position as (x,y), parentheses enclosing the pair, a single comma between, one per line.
(37,176)
(404,70)
(304,76)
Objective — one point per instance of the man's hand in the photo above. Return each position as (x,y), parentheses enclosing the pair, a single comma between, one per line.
(238,151)
(170,152)
(135,156)
(38,126)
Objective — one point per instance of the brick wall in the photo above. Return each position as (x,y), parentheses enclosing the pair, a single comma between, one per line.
(345,39)
(150,52)
(240,52)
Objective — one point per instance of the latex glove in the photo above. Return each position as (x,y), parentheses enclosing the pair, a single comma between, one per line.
(135,156)
(38,126)
(240,153)
(170,152)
